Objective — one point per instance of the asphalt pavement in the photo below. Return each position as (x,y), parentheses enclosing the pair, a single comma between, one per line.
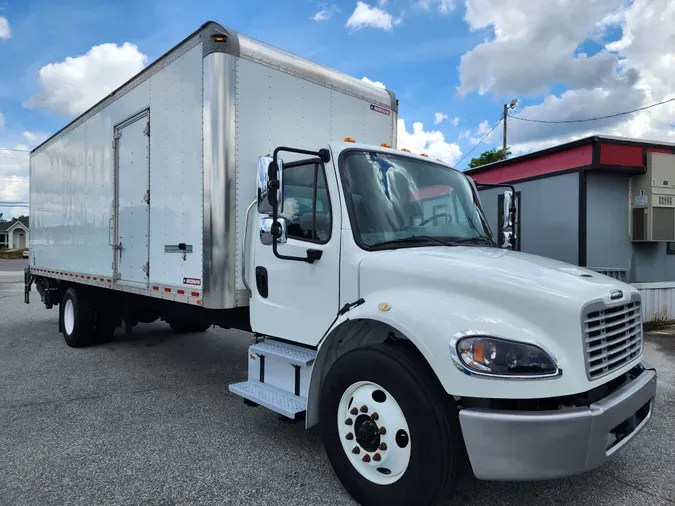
(148,419)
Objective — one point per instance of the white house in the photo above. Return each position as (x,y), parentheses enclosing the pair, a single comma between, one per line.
(14,233)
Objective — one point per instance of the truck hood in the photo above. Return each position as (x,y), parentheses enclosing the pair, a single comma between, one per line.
(543,291)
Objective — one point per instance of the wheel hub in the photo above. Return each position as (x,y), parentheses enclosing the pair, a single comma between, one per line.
(374,432)
(367,433)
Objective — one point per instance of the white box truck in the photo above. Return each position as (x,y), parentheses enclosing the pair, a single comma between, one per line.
(221,186)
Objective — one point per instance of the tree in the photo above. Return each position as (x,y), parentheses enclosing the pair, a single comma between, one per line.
(490,156)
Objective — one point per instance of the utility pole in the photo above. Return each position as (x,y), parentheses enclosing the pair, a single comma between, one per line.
(506,115)
(512,105)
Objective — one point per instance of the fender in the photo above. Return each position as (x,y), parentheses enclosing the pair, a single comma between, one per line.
(429,317)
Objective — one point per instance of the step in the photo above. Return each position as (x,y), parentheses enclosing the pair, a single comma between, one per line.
(280,401)
(294,355)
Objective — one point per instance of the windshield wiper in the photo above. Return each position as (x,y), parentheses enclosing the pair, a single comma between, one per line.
(419,239)
(425,239)
(474,240)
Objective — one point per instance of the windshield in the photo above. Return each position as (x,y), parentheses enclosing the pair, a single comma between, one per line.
(397,201)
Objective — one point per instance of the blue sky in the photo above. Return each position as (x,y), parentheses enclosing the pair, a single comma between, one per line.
(462,59)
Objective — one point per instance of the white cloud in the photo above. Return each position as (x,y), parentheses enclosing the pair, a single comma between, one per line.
(14,170)
(35,138)
(431,142)
(325,14)
(374,83)
(72,86)
(5,30)
(439,117)
(365,16)
(455,121)
(444,6)
(634,71)
(549,33)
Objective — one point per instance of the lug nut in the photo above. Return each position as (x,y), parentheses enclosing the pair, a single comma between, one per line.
(349,421)
(349,436)
(364,409)
(375,417)
(354,411)
(377,457)
(356,450)
(366,458)
(382,431)
(383,447)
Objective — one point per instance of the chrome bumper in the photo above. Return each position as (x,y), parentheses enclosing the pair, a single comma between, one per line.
(541,445)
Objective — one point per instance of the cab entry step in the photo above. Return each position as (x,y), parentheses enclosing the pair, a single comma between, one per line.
(280,401)
(294,355)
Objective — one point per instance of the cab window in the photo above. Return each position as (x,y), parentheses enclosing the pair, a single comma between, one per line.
(306,205)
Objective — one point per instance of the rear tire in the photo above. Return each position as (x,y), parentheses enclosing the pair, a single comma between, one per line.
(77,317)
(423,447)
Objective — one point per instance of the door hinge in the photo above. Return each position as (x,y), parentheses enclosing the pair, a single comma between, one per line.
(146,268)
(147,129)
(117,134)
(118,276)
(146,198)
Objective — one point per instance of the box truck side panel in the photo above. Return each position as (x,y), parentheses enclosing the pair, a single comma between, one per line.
(74,180)
(176,174)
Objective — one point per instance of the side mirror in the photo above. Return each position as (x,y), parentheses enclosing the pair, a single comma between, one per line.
(268,229)
(510,216)
(270,177)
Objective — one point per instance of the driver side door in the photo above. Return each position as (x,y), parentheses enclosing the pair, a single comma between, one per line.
(294,299)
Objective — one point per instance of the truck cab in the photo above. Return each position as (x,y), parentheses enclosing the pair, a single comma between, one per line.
(414,339)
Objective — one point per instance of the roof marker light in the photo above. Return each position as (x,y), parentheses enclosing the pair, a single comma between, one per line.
(406,150)
(385,145)
(349,139)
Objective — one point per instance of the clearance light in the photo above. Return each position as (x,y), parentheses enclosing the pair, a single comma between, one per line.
(385,145)
(349,139)
(424,154)
(220,38)
(406,150)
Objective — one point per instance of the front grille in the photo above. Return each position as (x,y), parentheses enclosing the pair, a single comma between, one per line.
(612,337)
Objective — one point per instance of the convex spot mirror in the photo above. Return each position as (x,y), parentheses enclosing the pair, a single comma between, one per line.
(270,172)
(268,229)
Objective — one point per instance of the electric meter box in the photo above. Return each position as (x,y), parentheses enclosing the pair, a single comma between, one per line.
(653,200)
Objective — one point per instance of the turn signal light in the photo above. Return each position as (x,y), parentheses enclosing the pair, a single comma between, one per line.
(349,139)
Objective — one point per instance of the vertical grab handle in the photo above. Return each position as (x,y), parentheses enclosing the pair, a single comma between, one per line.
(243,248)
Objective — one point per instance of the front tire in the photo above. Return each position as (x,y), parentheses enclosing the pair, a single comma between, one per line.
(390,431)
(77,318)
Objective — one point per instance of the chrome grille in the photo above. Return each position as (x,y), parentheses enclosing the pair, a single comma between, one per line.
(612,337)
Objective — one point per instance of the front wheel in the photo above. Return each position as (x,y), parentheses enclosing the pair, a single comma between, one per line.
(390,431)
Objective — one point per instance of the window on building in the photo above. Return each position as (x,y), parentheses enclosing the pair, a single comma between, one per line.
(306,205)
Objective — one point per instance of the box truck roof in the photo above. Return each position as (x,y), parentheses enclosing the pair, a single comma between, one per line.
(217,38)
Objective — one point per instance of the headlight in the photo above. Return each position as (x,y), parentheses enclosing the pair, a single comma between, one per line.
(499,357)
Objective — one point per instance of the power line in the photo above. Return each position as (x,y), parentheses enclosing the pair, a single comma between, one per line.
(479,142)
(592,119)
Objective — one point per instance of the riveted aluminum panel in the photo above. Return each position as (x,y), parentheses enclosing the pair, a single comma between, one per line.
(176,171)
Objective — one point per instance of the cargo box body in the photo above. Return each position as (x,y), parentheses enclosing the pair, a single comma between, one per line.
(147,191)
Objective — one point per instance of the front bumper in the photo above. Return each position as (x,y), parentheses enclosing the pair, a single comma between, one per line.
(541,445)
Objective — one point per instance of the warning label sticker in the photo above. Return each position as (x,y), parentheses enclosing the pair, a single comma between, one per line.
(192,281)
(379,109)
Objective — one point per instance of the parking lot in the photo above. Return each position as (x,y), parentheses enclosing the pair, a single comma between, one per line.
(148,419)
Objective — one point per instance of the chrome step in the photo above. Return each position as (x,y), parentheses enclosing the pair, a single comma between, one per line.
(294,355)
(280,401)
